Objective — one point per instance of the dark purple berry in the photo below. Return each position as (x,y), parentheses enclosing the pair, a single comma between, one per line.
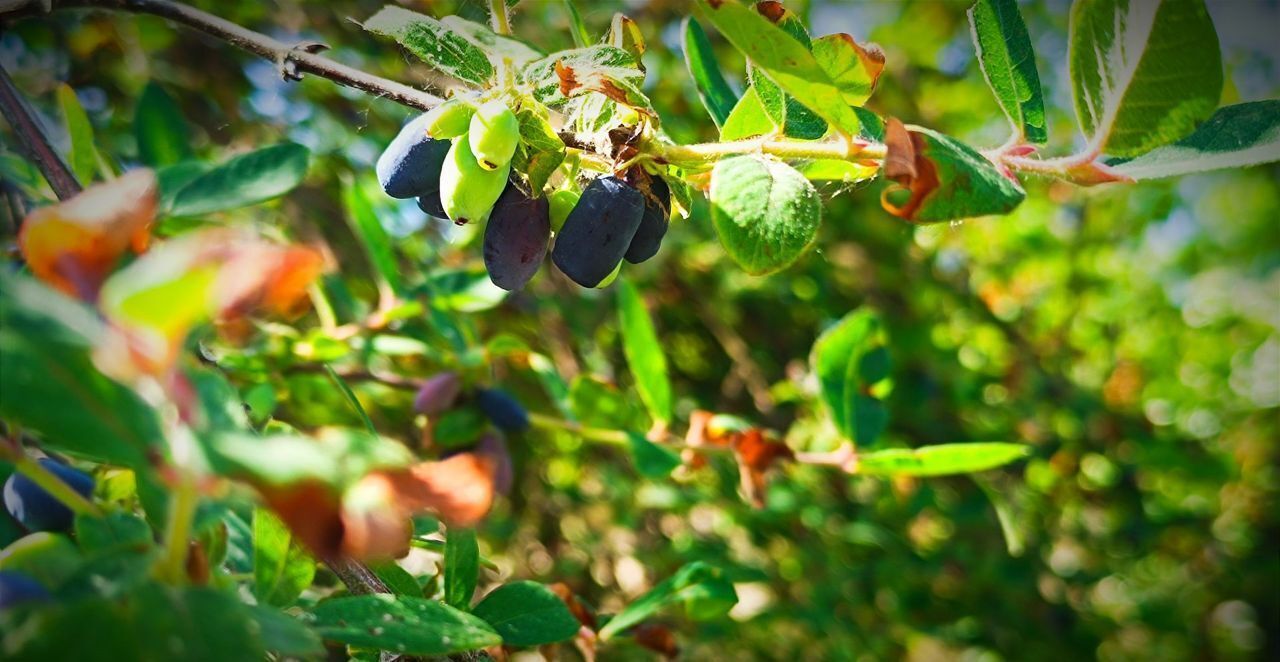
(598,231)
(36,509)
(410,165)
(503,409)
(653,226)
(438,393)
(515,241)
(17,588)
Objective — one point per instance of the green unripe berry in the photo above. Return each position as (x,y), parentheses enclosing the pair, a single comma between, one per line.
(467,191)
(495,132)
(562,202)
(450,119)
(608,280)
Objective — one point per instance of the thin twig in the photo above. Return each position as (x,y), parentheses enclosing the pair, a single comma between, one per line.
(357,577)
(34,141)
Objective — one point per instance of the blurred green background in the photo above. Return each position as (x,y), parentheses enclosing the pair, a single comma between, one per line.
(1131,334)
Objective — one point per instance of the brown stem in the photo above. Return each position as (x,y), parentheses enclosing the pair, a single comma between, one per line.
(292,59)
(34,140)
(357,577)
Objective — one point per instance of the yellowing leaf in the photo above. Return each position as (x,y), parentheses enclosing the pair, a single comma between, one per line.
(74,245)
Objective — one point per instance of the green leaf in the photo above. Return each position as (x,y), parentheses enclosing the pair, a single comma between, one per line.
(281,568)
(84,156)
(748,119)
(698,584)
(244,180)
(835,359)
(284,634)
(1144,73)
(644,353)
(624,33)
(458,427)
(368,228)
(47,557)
(718,98)
(114,531)
(1236,136)
(555,386)
(401,624)
(948,180)
(601,69)
(171,179)
(601,405)
(541,150)
(337,456)
(51,386)
(786,60)
(785,111)
(464,290)
(652,460)
(940,460)
(854,68)
(153,622)
(162,133)
(396,578)
(461,566)
(447,50)
(527,614)
(1009,65)
(494,45)
(577,28)
(765,212)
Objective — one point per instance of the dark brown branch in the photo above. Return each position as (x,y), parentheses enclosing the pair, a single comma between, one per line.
(34,140)
(357,577)
(292,59)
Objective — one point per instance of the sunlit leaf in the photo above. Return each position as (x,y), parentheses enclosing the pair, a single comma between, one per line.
(244,180)
(699,586)
(84,155)
(527,613)
(942,179)
(404,624)
(1237,136)
(1143,74)
(644,354)
(1009,64)
(718,98)
(281,569)
(439,45)
(461,566)
(939,460)
(854,68)
(162,133)
(765,212)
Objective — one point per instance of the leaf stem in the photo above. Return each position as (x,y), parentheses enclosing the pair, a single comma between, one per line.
(615,437)
(702,155)
(351,398)
(182,513)
(499,20)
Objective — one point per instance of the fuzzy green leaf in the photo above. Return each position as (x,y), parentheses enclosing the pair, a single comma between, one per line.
(447,50)
(403,624)
(765,212)
(244,180)
(1144,73)
(940,460)
(1009,64)
(281,568)
(461,566)
(644,352)
(1236,136)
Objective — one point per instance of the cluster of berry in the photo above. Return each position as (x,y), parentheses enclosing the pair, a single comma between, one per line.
(456,160)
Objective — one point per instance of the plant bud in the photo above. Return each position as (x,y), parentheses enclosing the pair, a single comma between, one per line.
(438,393)
(495,132)
(562,202)
(450,119)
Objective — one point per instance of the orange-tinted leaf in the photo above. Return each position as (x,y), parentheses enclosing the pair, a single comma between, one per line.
(939,178)
(756,453)
(657,638)
(74,245)
(579,611)
(458,489)
(312,512)
(376,524)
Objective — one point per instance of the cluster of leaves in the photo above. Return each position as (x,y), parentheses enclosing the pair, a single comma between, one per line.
(161,425)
